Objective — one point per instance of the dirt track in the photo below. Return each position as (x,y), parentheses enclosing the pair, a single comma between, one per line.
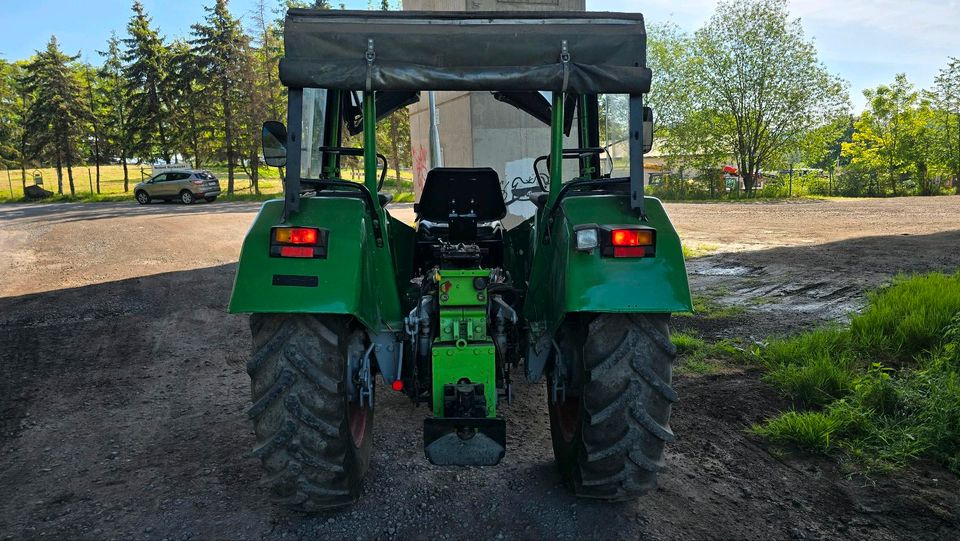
(123,392)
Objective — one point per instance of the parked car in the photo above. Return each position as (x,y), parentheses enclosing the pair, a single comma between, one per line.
(184,185)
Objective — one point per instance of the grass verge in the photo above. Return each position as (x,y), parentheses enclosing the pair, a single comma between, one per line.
(886,389)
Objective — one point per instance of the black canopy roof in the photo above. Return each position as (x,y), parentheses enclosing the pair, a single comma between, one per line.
(580,52)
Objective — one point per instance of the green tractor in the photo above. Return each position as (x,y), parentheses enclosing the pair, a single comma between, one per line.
(447,311)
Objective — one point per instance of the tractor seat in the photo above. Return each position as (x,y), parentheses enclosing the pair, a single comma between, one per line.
(461,192)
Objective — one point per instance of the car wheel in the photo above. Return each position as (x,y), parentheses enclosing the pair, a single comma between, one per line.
(143,197)
(210,199)
(186,197)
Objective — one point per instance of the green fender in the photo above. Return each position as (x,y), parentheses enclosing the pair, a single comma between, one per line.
(564,280)
(357,278)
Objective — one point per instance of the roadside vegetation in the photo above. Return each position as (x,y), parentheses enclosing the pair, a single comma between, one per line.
(201,99)
(884,390)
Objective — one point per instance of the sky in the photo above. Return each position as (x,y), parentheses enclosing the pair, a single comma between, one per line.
(865,42)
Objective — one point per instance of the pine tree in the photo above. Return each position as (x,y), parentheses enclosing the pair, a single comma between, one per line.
(146,66)
(219,49)
(58,110)
(115,98)
(95,114)
(191,107)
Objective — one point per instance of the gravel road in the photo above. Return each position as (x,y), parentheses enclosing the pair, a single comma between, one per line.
(123,392)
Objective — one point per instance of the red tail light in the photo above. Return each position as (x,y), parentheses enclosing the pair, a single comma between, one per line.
(628,241)
(303,242)
(296,251)
(295,235)
(631,237)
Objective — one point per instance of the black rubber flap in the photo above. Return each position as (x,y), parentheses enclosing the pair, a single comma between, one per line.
(579,52)
(464,441)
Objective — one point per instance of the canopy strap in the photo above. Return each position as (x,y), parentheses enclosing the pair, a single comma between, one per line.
(565,62)
(371,56)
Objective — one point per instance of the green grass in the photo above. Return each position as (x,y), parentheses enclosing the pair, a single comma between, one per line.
(696,356)
(884,391)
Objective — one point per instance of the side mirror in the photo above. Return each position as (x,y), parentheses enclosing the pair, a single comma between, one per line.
(647,129)
(274,140)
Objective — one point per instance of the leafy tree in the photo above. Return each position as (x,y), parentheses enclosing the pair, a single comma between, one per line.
(58,110)
(880,137)
(263,97)
(114,95)
(690,137)
(219,46)
(10,113)
(146,67)
(756,68)
(946,101)
(394,134)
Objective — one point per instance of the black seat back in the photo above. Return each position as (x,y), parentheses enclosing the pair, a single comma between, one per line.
(461,191)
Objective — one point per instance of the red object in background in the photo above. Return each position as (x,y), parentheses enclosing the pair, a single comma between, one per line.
(397,385)
(730,169)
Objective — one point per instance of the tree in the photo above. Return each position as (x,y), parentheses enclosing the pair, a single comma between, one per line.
(58,110)
(95,115)
(219,46)
(115,98)
(146,67)
(192,105)
(760,72)
(395,139)
(262,98)
(691,137)
(880,136)
(10,114)
(946,102)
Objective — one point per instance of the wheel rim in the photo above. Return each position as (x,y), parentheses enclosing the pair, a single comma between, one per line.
(142,197)
(357,418)
(568,417)
(185,197)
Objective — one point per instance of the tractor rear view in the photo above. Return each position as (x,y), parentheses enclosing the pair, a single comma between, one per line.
(342,294)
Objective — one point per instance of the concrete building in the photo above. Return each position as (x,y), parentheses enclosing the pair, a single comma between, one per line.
(475,129)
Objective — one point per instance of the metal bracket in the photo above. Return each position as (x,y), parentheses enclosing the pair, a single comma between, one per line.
(388,349)
(371,55)
(559,392)
(365,379)
(565,62)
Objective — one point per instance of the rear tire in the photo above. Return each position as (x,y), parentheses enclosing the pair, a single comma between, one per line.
(314,442)
(186,197)
(143,197)
(610,431)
